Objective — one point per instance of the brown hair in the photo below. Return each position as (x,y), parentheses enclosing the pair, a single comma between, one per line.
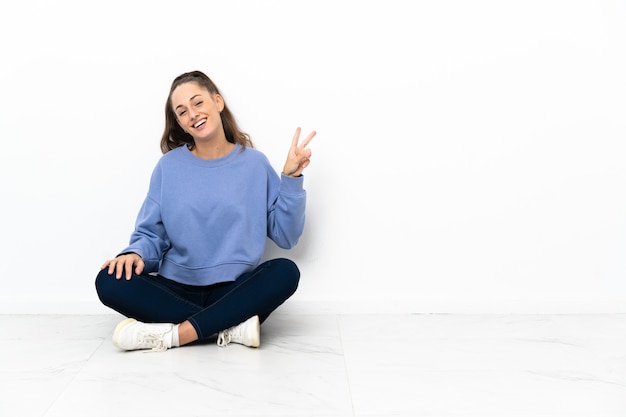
(174,136)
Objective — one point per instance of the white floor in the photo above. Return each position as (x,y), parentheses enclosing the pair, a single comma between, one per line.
(326,365)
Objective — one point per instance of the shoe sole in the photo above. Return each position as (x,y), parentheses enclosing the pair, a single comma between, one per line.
(118,329)
(256,340)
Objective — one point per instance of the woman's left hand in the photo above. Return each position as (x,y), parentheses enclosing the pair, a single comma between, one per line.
(299,156)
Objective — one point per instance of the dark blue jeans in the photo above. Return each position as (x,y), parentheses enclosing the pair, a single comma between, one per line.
(210,309)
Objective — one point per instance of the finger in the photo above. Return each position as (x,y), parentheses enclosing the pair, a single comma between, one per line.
(139,267)
(119,267)
(104,265)
(296,136)
(128,266)
(112,263)
(308,139)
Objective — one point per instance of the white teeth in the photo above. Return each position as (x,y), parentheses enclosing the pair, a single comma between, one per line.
(200,123)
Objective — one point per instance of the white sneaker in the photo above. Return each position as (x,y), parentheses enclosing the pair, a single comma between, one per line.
(247,333)
(131,334)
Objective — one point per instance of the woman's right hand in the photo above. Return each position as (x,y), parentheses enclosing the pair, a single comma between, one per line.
(127,262)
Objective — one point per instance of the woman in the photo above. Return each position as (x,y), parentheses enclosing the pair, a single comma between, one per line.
(192,268)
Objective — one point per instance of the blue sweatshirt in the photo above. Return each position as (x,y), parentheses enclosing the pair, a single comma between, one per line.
(207,221)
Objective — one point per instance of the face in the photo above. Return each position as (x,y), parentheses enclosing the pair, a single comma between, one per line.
(198,111)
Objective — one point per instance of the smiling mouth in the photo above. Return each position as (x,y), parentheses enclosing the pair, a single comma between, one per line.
(200,123)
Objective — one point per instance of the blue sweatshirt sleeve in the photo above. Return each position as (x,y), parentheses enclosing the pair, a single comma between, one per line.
(287,203)
(149,239)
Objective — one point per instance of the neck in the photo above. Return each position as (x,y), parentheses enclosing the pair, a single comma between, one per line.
(208,150)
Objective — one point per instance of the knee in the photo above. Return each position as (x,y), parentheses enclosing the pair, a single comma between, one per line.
(289,272)
(105,286)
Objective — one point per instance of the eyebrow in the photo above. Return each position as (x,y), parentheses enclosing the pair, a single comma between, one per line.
(180,105)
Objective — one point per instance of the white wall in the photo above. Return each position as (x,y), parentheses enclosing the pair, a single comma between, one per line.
(469,157)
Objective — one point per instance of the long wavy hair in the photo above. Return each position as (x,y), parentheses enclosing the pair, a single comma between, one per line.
(174,136)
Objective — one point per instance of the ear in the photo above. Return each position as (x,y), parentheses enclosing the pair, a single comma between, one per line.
(219,101)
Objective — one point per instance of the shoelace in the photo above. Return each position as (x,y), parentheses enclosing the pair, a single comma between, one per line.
(154,339)
(224,338)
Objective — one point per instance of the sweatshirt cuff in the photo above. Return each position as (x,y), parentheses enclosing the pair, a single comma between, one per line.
(291,185)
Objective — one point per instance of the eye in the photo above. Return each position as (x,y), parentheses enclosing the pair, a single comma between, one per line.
(199,103)
(182,113)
